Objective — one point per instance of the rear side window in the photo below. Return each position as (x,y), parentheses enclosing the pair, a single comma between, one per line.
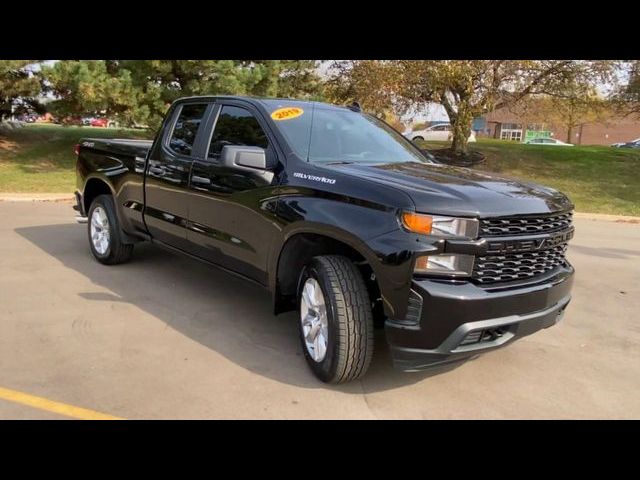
(186,128)
(236,126)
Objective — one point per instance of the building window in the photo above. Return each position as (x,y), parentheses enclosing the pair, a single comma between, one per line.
(514,134)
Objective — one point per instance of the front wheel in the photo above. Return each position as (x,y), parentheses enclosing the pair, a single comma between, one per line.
(105,237)
(336,322)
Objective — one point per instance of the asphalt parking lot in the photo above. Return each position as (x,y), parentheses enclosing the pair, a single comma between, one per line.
(167,337)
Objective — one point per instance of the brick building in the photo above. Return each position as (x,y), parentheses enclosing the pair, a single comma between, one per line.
(506,125)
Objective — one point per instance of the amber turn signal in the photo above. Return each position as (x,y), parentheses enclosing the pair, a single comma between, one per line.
(417,223)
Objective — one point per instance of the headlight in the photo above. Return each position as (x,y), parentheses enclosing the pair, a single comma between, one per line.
(440,226)
(445,264)
(447,227)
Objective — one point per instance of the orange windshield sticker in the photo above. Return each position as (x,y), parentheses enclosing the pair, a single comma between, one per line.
(286,113)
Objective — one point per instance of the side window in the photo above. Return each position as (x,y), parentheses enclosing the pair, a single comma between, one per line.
(236,126)
(186,127)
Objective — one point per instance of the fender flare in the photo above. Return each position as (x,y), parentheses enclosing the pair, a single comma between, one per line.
(323,229)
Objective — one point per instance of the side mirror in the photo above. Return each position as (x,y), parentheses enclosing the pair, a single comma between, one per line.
(243,157)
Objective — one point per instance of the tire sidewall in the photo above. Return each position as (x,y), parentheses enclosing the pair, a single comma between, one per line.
(326,369)
(102,201)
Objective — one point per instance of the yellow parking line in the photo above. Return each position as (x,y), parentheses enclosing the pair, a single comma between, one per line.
(51,406)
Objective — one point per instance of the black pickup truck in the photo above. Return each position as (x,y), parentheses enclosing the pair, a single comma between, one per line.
(342,219)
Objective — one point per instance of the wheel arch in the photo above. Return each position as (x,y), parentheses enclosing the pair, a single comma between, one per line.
(301,245)
(93,187)
(96,186)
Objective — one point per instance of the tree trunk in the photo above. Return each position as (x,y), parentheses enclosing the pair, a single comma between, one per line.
(461,119)
(580,134)
(461,129)
(569,132)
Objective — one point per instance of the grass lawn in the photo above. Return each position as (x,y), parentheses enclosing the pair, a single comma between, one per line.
(598,179)
(40,158)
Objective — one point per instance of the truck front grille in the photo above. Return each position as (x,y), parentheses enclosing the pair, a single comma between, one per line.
(516,266)
(494,227)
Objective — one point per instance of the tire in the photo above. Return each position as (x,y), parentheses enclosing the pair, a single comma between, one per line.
(112,250)
(349,319)
(417,138)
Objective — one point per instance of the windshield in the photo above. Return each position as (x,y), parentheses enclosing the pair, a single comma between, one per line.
(329,135)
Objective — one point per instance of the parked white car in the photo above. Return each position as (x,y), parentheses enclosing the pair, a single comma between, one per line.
(440,132)
(548,141)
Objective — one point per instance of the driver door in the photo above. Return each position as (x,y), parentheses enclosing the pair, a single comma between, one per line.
(231,211)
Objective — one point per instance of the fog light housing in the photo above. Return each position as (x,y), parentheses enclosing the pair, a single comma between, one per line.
(455,265)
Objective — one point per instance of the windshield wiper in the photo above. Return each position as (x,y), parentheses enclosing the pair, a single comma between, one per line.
(340,162)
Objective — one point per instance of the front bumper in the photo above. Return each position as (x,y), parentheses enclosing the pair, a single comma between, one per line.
(450,322)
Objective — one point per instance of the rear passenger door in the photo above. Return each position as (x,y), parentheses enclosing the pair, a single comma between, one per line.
(167,173)
(232,210)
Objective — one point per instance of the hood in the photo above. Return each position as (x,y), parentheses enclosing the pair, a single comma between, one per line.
(446,190)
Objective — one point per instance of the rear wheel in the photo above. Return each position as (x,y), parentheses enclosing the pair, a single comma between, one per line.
(417,138)
(105,236)
(336,322)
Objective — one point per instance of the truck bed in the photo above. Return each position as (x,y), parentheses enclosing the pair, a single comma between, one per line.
(119,146)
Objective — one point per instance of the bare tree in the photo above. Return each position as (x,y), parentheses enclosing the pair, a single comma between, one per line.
(627,97)
(471,88)
(466,88)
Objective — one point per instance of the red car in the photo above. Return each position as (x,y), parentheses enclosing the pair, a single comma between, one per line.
(100,122)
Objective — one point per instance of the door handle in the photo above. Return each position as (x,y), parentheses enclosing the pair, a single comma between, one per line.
(200,180)
(139,164)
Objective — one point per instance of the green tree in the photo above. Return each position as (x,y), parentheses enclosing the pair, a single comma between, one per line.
(142,90)
(17,82)
(90,87)
(163,81)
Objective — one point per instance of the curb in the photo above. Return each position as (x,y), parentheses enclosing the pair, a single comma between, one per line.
(36,197)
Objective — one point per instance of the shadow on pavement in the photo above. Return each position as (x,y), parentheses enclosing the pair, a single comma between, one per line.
(216,309)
